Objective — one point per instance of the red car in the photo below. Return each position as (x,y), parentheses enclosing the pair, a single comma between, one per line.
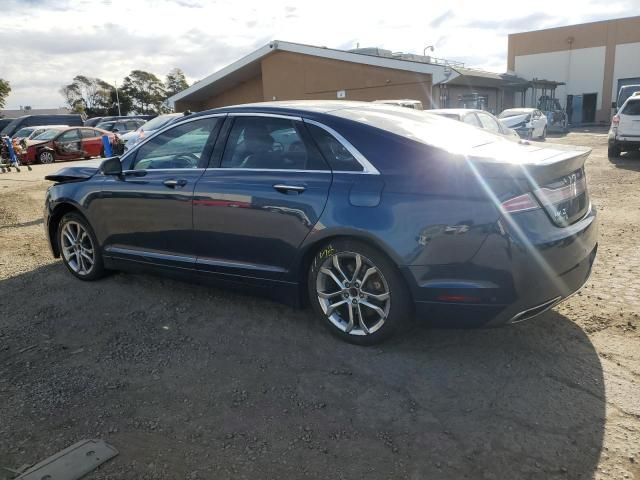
(68,143)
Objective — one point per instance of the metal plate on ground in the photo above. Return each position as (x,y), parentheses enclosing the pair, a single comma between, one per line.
(71,463)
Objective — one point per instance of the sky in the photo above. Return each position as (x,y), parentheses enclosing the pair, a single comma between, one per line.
(45,43)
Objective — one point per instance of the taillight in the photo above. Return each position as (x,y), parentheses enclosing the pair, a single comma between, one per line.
(615,120)
(141,134)
(521,203)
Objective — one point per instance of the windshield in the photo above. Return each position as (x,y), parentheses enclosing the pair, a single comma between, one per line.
(513,112)
(158,122)
(48,135)
(24,132)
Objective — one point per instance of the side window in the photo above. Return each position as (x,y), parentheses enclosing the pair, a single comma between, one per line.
(471,119)
(88,133)
(489,123)
(131,126)
(97,133)
(180,147)
(339,158)
(270,143)
(69,136)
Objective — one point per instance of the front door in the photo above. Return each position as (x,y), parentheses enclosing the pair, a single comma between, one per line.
(68,145)
(254,209)
(145,215)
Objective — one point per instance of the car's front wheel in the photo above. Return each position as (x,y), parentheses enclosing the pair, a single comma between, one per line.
(358,292)
(79,247)
(46,157)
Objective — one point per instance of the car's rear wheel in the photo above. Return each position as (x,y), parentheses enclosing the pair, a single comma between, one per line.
(358,292)
(79,247)
(46,157)
(613,151)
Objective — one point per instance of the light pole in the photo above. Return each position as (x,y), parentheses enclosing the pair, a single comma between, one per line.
(428,47)
(117,98)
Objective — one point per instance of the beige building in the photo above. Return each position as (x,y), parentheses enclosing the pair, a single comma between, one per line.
(592,60)
(291,71)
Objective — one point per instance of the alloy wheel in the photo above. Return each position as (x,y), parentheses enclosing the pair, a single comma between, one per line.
(77,248)
(46,157)
(353,293)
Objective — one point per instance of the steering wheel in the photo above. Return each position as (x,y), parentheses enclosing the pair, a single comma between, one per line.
(185,160)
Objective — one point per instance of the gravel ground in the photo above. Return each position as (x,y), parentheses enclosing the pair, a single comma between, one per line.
(192,382)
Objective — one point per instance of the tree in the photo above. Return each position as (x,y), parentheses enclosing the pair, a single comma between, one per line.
(125,103)
(5,89)
(175,82)
(146,91)
(89,95)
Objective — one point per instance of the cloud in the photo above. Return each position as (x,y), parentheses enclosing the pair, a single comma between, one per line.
(439,20)
(45,43)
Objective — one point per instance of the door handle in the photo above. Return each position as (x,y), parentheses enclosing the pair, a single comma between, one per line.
(289,188)
(174,183)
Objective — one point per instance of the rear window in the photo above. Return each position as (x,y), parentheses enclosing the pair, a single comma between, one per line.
(632,108)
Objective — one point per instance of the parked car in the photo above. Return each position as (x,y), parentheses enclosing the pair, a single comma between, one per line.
(366,211)
(94,121)
(478,118)
(4,122)
(624,134)
(407,103)
(66,143)
(72,120)
(28,133)
(625,92)
(528,122)
(131,138)
(121,126)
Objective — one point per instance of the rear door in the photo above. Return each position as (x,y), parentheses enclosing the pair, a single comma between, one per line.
(91,142)
(254,208)
(68,145)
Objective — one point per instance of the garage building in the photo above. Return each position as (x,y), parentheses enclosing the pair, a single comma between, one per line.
(591,60)
(292,71)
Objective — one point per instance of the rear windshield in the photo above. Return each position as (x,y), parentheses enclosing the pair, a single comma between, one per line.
(513,113)
(632,108)
(421,126)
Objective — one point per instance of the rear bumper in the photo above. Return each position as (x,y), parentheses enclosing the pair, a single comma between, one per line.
(507,281)
(631,142)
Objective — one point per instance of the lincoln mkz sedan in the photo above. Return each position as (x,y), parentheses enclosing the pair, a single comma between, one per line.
(373,214)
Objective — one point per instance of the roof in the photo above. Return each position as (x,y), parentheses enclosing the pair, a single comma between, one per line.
(17,113)
(249,66)
(486,78)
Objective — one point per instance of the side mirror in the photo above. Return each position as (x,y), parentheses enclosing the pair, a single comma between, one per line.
(111,166)
(614,105)
(115,130)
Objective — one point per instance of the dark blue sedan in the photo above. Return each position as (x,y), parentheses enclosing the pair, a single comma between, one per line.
(371,213)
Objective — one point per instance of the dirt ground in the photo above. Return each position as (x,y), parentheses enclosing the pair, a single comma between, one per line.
(187,381)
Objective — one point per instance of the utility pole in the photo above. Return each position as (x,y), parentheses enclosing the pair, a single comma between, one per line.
(117,98)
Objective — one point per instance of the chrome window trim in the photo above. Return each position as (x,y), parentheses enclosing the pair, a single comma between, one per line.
(148,170)
(368,168)
(280,170)
(186,119)
(262,114)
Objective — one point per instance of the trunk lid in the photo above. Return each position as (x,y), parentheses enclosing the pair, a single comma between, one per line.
(554,174)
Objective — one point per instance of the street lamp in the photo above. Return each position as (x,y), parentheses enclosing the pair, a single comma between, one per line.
(117,98)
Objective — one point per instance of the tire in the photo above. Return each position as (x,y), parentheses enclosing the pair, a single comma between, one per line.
(381,316)
(613,151)
(82,258)
(46,157)
(544,133)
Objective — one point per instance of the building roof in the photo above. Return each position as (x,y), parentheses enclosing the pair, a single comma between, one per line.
(20,112)
(249,66)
